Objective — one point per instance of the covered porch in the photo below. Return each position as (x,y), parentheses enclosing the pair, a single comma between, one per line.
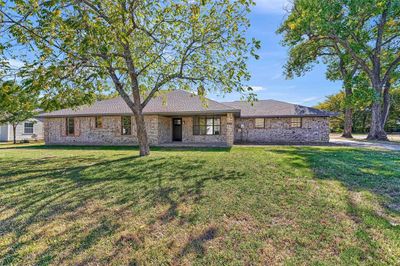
(197,130)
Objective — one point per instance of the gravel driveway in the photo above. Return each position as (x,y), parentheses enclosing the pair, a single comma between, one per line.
(356,142)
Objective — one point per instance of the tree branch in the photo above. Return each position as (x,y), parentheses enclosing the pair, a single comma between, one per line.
(391,67)
(359,60)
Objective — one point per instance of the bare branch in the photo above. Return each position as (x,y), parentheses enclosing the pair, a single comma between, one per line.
(391,67)
(359,60)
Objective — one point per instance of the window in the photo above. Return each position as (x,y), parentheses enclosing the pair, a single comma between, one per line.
(99,121)
(260,123)
(126,125)
(295,122)
(28,128)
(70,126)
(177,121)
(268,123)
(206,125)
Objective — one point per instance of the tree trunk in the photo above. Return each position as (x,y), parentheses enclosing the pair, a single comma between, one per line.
(348,117)
(142,134)
(376,131)
(386,104)
(348,123)
(139,119)
(136,107)
(14,133)
(364,121)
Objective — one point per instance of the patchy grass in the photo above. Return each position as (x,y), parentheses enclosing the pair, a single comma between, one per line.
(245,205)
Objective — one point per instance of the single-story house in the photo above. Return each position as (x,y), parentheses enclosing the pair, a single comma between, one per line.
(180,116)
(31,129)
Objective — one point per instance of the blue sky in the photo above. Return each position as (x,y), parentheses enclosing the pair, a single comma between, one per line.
(267,72)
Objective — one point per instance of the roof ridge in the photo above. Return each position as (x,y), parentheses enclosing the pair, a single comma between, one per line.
(211,100)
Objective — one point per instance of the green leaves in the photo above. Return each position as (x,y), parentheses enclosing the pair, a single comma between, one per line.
(17,103)
(172,45)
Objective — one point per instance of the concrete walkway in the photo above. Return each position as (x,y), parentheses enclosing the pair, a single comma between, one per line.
(337,140)
(178,144)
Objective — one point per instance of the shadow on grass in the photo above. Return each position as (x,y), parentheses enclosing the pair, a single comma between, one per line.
(41,195)
(358,169)
(113,148)
(196,244)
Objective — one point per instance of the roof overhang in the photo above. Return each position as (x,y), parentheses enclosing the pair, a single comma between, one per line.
(207,112)
(283,116)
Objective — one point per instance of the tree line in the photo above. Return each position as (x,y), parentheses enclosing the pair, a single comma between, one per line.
(361,102)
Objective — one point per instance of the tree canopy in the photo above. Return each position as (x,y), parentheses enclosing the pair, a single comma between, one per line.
(17,104)
(135,47)
(367,31)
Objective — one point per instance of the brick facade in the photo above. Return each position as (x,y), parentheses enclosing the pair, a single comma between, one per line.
(278,130)
(87,133)
(159,131)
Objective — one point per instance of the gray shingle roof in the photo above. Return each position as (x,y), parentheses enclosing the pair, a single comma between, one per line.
(272,108)
(169,103)
(182,102)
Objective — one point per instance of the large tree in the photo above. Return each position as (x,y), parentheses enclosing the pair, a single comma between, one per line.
(360,102)
(341,67)
(368,31)
(302,58)
(16,105)
(139,46)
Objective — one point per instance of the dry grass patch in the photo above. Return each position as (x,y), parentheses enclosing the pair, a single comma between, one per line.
(240,206)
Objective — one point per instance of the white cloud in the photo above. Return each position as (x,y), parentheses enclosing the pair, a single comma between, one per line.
(15,63)
(310,99)
(257,88)
(277,76)
(272,6)
(306,100)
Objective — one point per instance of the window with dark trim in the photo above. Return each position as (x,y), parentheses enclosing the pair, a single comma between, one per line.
(206,125)
(296,122)
(70,126)
(28,128)
(126,125)
(268,123)
(99,121)
(259,123)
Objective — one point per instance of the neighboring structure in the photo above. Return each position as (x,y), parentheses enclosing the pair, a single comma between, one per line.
(31,129)
(180,116)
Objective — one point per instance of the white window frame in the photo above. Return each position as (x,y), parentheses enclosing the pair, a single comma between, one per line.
(25,127)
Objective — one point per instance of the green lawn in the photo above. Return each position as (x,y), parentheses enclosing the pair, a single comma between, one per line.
(241,206)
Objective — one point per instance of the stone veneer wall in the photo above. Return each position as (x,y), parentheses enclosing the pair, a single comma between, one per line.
(314,129)
(230,129)
(164,129)
(159,130)
(86,133)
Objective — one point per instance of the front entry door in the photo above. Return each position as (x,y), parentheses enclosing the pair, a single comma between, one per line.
(177,129)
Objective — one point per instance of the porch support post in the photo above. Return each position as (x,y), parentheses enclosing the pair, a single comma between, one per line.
(230,128)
